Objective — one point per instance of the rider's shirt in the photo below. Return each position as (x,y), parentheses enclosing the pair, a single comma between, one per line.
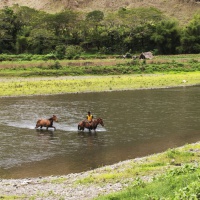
(89,117)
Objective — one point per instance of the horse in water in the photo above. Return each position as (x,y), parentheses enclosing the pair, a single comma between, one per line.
(90,125)
(46,122)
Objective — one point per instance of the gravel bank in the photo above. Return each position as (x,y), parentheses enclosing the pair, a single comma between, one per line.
(76,186)
(63,187)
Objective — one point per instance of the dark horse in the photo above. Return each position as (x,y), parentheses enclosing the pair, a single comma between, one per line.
(90,125)
(46,122)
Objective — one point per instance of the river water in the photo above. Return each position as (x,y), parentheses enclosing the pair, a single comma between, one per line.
(137,123)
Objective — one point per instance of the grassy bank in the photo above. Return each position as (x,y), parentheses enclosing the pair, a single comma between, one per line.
(52,85)
(37,77)
(173,174)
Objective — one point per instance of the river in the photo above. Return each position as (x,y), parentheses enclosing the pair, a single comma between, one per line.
(137,123)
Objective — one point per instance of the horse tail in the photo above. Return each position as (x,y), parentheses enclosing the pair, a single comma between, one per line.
(81,125)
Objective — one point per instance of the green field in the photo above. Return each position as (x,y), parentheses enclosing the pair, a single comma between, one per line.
(95,75)
(59,85)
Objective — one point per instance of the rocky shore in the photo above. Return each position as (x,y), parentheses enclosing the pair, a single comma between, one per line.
(67,187)
(59,187)
(89,185)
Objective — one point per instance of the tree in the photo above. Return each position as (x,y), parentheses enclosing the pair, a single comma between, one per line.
(93,29)
(21,45)
(10,25)
(190,41)
(41,41)
(133,28)
(166,36)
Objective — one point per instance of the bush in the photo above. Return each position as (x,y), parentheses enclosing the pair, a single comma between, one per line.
(60,51)
(73,52)
(192,191)
(55,65)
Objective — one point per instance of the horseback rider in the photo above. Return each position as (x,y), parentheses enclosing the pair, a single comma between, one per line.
(89,118)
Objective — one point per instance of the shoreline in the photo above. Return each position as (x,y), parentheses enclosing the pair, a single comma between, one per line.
(75,186)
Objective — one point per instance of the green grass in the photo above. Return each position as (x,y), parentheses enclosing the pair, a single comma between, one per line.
(182,183)
(169,180)
(51,68)
(109,66)
(173,174)
(53,85)
(152,164)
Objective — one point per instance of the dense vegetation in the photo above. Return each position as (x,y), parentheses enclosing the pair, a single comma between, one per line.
(68,34)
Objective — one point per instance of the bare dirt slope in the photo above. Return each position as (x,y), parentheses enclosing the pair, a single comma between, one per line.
(183,10)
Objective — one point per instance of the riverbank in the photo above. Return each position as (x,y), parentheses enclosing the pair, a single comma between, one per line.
(79,84)
(37,77)
(106,180)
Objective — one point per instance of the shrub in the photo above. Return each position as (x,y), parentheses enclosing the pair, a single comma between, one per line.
(192,191)
(73,52)
(60,51)
(55,65)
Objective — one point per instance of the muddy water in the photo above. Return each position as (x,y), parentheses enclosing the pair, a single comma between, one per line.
(137,123)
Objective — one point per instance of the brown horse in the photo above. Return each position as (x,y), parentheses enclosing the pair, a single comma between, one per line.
(46,122)
(90,125)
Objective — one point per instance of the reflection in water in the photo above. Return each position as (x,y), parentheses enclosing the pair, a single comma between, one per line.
(45,136)
(90,139)
(137,123)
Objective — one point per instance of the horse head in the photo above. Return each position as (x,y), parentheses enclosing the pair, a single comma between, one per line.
(54,118)
(100,121)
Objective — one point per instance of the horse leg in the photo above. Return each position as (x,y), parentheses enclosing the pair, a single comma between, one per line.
(37,125)
(81,126)
(41,127)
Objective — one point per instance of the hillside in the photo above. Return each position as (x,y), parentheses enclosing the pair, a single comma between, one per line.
(183,10)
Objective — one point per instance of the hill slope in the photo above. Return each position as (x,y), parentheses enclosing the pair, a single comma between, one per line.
(183,10)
